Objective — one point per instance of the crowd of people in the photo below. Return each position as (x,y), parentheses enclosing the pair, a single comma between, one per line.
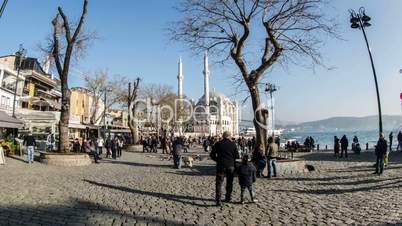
(241,156)
(112,146)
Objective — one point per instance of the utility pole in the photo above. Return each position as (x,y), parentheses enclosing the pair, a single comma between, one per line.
(271,88)
(19,57)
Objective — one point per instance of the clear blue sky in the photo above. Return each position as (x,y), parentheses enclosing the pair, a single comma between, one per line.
(134,43)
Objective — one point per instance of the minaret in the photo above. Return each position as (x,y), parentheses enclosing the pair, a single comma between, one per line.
(206,90)
(180,93)
(206,81)
(180,79)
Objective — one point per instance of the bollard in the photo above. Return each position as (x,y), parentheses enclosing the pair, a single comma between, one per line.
(318,147)
(366,146)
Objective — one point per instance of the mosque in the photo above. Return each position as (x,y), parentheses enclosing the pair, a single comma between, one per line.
(214,113)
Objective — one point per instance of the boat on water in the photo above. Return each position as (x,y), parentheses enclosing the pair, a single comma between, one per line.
(250,131)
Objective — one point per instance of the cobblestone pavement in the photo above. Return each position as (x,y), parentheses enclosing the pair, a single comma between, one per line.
(139,190)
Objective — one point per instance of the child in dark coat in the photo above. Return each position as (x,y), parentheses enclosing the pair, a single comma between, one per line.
(247,176)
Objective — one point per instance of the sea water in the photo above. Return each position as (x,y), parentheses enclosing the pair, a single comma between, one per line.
(327,138)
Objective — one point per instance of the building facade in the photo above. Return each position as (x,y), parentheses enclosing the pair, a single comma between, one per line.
(83,105)
(214,113)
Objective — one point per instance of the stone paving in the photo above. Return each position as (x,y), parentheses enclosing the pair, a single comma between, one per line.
(141,189)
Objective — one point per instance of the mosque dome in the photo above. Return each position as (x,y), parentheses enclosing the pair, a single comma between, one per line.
(214,96)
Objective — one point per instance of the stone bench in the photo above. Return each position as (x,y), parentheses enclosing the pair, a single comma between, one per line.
(289,167)
(65,159)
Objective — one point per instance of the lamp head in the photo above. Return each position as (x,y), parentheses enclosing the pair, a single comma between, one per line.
(366,24)
(354,20)
(354,25)
(365,18)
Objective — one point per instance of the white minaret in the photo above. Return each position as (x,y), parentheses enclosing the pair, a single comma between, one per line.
(180,79)
(206,90)
(180,92)
(206,80)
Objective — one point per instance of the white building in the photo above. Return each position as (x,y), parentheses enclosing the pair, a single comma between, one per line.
(8,78)
(214,113)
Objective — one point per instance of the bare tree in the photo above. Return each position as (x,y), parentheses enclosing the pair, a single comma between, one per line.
(66,41)
(155,91)
(287,31)
(131,98)
(157,94)
(100,84)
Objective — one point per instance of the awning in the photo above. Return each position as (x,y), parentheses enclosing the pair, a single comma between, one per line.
(81,126)
(41,101)
(7,121)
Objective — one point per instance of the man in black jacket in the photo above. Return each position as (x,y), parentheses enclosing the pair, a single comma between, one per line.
(380,151)
(224,153)
(344,146)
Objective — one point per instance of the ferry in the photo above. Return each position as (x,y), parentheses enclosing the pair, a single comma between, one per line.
(250,131)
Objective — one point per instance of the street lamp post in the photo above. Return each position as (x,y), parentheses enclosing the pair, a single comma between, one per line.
(361,20)
(105,110)
(271,88)
(3,7)
(19,57)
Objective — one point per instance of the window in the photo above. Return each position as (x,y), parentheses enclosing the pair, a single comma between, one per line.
(8,81)
(3,100)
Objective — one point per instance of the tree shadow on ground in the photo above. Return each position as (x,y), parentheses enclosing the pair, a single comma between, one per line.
(359,182)
(190,200)
(197,170)
(328,156)
(76,212)
(352,169)
(316,178)
(336,191)
(106,161)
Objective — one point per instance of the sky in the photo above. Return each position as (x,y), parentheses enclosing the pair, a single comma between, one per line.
(133,42)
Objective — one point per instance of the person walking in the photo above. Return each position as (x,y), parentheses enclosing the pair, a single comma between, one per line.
(164,145)
(336,146)
(224,153)
(205,144)
(76,146)
(399,141)
(247,176)
(99,145)
(92,150)
(272,154)
(259,160)
(391,137)
(344,146)
(30,144)
(108,146)
(178,147)
(380,152)
(154,144)
(50,142)
(114,147)
(120,146)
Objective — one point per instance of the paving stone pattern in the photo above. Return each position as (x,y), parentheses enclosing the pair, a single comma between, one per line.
(142,189)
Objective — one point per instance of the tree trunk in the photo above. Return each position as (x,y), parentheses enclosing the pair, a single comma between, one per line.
(132,124)
(260,117)
(64,142)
